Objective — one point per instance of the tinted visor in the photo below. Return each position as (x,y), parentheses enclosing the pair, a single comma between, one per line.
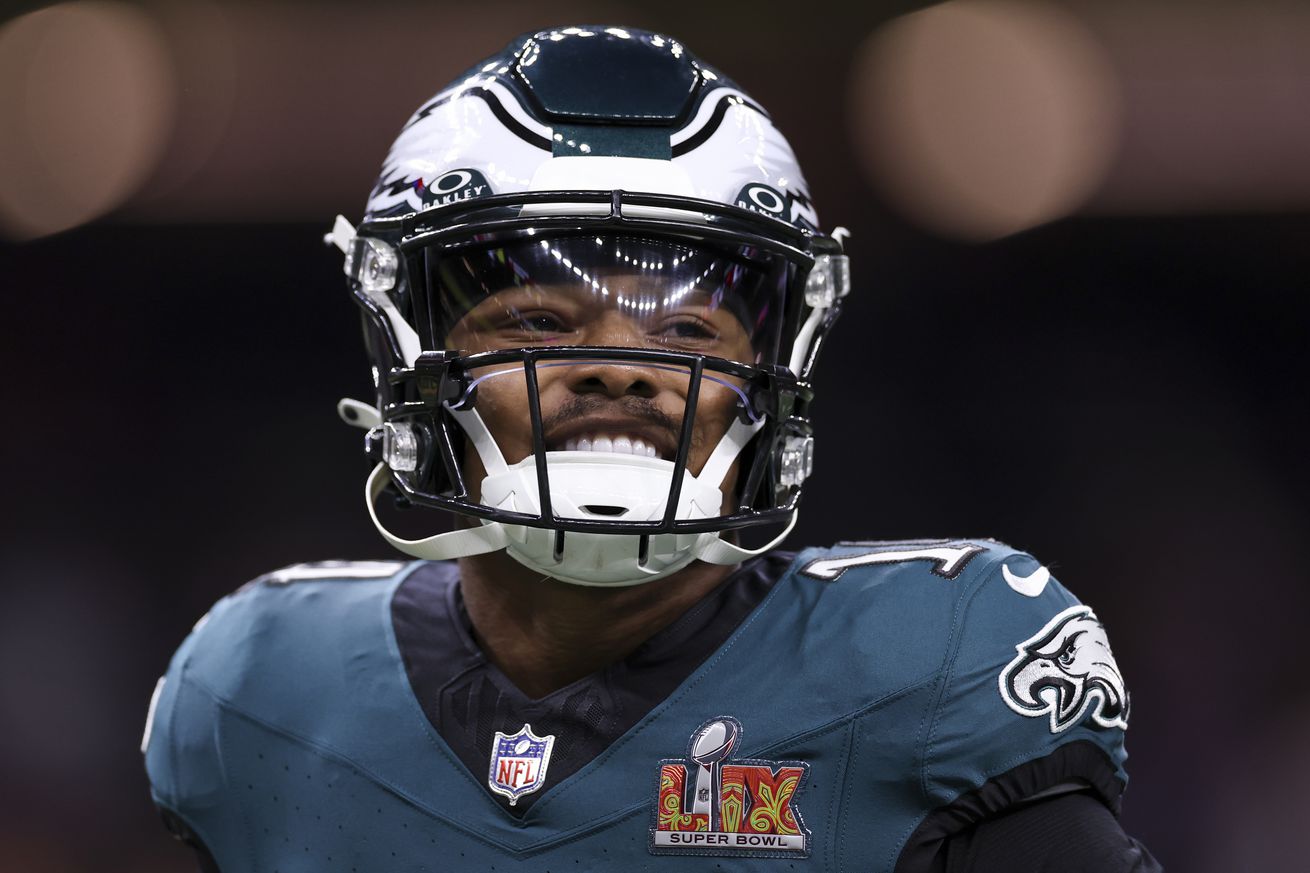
(617,290)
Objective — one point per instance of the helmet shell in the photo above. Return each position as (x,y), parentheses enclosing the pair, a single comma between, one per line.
(593,108)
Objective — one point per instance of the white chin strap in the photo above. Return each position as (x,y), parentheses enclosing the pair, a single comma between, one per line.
(588,485)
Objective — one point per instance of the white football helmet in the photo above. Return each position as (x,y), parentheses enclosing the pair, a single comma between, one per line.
(592,201)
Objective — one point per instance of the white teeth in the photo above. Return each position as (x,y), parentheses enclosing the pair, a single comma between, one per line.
(621,444)
(640,447)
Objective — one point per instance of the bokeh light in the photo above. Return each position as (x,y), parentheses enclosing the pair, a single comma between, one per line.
(980,118)
(86,102)
(1215,116)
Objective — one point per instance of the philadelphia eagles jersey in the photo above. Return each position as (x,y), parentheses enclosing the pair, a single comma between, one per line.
(875,698)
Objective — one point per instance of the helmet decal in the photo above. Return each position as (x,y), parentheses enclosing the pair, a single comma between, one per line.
(714,108)
(790,206)
(453,186)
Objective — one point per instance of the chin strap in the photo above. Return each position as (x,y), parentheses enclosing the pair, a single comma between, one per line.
(357,413)
(720,460)
(493,461)
(440,547)
(715,550)
(719,551)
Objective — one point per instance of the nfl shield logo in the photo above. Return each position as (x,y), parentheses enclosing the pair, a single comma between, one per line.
(519,762)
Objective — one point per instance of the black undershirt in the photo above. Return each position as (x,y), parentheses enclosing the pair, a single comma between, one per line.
(1073,833)
(468,699)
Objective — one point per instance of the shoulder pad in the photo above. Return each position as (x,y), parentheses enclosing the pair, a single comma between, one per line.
(894,605)
(225,659)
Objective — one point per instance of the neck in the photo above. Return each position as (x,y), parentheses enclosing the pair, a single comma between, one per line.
(544,634)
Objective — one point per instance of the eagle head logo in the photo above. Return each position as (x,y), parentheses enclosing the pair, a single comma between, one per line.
(1066,671)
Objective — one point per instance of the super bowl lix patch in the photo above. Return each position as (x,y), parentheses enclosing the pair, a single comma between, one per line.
(709,804)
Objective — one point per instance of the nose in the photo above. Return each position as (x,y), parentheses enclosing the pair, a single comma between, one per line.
(611,379)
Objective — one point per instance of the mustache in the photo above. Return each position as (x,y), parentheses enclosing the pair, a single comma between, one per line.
(642,409)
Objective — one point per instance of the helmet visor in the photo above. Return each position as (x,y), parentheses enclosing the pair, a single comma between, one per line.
(616,290)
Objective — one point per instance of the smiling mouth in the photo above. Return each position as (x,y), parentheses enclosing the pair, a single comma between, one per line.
(618,444)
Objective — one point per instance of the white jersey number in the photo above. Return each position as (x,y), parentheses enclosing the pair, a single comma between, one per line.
(947,561)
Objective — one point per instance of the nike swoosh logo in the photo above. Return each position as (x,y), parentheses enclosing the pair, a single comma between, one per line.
(1029,586)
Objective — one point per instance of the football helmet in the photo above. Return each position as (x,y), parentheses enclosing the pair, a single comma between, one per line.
(592,207)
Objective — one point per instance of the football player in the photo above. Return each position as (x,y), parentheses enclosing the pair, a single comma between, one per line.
(594,287)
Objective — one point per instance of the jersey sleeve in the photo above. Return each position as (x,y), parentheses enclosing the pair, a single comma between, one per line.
(1031,701)
(181,743)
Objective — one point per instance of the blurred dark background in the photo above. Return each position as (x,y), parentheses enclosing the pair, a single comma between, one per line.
(1079,322)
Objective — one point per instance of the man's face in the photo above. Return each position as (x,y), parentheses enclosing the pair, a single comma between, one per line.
(633,408)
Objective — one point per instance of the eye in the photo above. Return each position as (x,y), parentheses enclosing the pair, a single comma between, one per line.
(689,328)
(541,322)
